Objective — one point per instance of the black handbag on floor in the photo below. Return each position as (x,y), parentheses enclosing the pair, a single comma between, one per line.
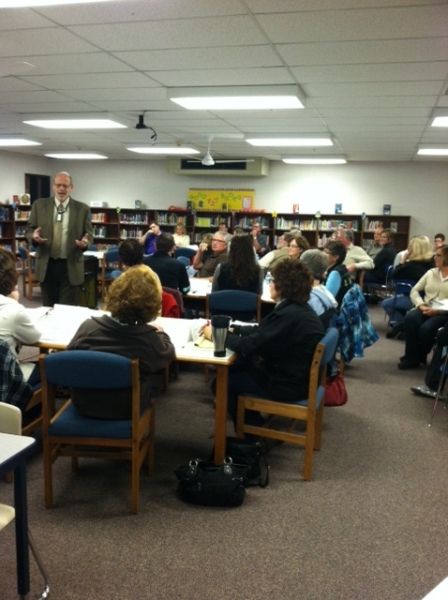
(253,454)
(207,484)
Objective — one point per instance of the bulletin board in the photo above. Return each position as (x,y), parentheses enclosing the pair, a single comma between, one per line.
(221,199)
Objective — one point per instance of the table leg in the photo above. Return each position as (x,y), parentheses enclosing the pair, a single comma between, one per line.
(222,372)
(21,521)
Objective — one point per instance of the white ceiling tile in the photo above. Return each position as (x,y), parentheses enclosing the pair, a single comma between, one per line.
(13,84)
(271,76)
(365,51)
(23,18)
(274,6)
(142,10)
(92,80)
(409,71)
(98,62)
(349,102)
(133,105)
(197,58)
(119,94)
(183,33)
(63,106)
(375,23)
(37,97)
(388,88)
(42,41)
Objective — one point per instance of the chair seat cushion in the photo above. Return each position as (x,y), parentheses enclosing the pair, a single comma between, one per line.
(71,423)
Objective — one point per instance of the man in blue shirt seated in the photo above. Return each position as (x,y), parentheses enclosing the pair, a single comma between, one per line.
(171,272)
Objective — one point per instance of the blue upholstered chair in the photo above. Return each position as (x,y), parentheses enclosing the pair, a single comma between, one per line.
(69,433)
(183,261)
(244,306)
(309,409)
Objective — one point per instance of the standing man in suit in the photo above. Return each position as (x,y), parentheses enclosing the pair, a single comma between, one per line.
(61,229)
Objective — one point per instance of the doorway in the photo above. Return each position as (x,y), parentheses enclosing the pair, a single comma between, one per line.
(37,186)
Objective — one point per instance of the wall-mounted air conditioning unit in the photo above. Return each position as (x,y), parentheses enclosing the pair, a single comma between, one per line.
(258,167)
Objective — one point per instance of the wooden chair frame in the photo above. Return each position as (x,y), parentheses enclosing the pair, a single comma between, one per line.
(138,448)
(311,412)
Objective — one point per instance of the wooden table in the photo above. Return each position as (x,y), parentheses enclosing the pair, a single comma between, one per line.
(14,450)
(58,325)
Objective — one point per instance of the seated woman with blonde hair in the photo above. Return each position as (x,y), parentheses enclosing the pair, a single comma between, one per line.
(134,299)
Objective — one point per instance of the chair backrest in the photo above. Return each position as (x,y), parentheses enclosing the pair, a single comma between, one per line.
(112,255)
(404,286)
(236,303)
(92,375)
(10,419)
(323,355)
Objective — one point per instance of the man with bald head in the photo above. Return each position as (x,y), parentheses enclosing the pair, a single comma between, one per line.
(60,230)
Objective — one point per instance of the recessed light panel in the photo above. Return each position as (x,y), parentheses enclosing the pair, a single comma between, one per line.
(11,141)
(163,150)
(314,160)
(292,141)
(31,3)
(76,123)
(77,155)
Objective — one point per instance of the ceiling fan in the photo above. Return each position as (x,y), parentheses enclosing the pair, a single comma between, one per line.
(208,161)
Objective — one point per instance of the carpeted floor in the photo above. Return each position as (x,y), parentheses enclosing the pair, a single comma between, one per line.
(370,526)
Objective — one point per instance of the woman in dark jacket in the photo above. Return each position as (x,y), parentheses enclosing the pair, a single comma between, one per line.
(382,260)
(133,300)
(274,358)
(240,271)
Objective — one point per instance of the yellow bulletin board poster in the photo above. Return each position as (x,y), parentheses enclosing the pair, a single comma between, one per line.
(208,199)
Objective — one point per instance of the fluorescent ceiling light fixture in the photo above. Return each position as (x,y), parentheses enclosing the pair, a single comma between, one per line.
(16,141)
(78,122)
(31,3)
(290,140)
(433,151)
(440,122)
(238,97)
(164,150)
(76,155)
(314,160)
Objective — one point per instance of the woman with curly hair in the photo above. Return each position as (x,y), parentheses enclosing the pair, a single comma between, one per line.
(133,300)
(274,358)
(240,271)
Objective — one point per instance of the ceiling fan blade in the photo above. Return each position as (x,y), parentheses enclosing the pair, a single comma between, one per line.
(235,160)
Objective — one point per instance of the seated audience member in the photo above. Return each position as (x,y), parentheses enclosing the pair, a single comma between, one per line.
(206,260)
(240,271)
(439,241)
(422,322)
(259,239)
(297,245)
(131,256)
(16,326)
(373,248)
(274,358)
(337,279)
(269,260)
(171,272)
(148,239)
(383,259)
(13,387)
(133,301)
(433,373)
(222,228)
(356,258)
(181,238)
(417,259)
(321,300)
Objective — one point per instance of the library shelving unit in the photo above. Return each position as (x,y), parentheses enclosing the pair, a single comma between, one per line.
(7,228)
(111,225)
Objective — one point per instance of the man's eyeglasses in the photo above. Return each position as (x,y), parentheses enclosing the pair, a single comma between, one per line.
(218,240)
